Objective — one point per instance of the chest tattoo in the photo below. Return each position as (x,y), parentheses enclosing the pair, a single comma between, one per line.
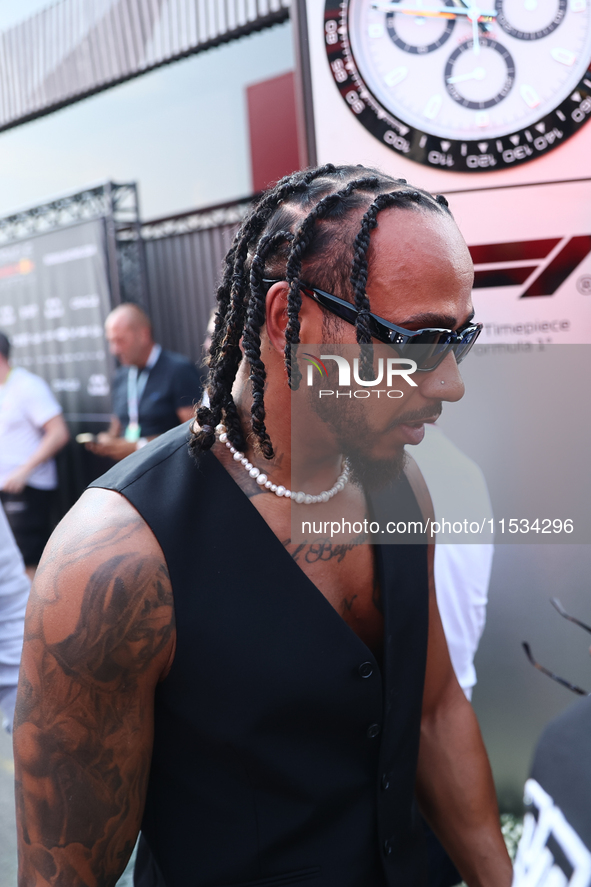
(319,551)
(347,604)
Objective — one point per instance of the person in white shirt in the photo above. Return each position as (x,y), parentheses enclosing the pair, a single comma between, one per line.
(462,574)
(462,571)
(32,431)
(14,593)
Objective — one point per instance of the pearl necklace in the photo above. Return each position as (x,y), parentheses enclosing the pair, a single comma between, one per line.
(279,490)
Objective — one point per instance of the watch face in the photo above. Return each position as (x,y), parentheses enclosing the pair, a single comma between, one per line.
(461,87)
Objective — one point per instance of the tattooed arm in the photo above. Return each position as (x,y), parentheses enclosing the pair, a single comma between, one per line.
(99,635)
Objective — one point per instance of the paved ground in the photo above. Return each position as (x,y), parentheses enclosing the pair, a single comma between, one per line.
(7,825)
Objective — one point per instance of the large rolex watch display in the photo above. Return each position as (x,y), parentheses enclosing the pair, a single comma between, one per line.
(463,87)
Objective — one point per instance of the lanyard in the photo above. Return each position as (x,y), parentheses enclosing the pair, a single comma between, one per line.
(136,385)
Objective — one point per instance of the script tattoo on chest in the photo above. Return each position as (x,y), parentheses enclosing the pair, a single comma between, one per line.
(319,551)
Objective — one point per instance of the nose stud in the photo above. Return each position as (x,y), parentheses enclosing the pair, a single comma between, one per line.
(443,381)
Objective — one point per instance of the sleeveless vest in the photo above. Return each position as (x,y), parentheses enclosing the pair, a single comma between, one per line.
(283,754)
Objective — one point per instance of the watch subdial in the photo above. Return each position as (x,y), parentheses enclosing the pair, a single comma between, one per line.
(418,34)
(482,80)
(530,19)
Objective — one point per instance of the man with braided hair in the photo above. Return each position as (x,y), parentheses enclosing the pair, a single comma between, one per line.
(264,710)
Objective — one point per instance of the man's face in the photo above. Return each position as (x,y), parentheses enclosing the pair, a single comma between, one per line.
(420,275)
(128,341)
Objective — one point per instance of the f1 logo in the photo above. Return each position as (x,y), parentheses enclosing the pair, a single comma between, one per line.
(541,265)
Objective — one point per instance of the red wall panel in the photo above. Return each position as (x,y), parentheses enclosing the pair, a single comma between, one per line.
(273,130)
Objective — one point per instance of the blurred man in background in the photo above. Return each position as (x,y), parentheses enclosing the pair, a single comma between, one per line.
(154,389)
(32,431)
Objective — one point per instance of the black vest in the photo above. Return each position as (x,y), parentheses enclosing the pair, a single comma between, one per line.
(283,754)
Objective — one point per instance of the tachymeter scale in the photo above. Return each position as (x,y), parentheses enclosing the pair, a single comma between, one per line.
(473,101)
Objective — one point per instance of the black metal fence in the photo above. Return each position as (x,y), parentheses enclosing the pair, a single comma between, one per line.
(184,257)
(172,269)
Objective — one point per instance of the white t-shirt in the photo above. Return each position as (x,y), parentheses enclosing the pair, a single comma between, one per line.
(26,404)
(14,592)
(462,571)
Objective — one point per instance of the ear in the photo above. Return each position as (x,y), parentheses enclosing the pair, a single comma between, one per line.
(310,318)
(276,308)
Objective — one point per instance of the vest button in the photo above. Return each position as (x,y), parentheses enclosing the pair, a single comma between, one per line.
(373,730)
(365,670)
(385,781)
(388,846)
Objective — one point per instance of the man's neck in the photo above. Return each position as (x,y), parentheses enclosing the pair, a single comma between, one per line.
(299,460)
(145,357)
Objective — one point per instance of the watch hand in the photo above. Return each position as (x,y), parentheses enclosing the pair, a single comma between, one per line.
(476,74)
(473,15)
(420,6)
(484,25)
(445,12)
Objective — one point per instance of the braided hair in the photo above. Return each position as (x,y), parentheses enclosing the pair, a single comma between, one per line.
(278,238)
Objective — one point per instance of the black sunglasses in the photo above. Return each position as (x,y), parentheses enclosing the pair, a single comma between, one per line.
(429,346)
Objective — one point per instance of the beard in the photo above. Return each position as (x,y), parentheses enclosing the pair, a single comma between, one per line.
(350,433)
(351,430)
(374,475)
(371,474)
(356,430)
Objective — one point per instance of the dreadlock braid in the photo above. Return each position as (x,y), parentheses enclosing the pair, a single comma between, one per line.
(359,278)
(256,221)
(250,229)
(251,342)
(401,197)
(225,352)
(300,244)
(278,236)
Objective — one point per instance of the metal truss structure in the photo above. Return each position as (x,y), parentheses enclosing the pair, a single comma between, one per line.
(229,213)
(117,204)
(75,48)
